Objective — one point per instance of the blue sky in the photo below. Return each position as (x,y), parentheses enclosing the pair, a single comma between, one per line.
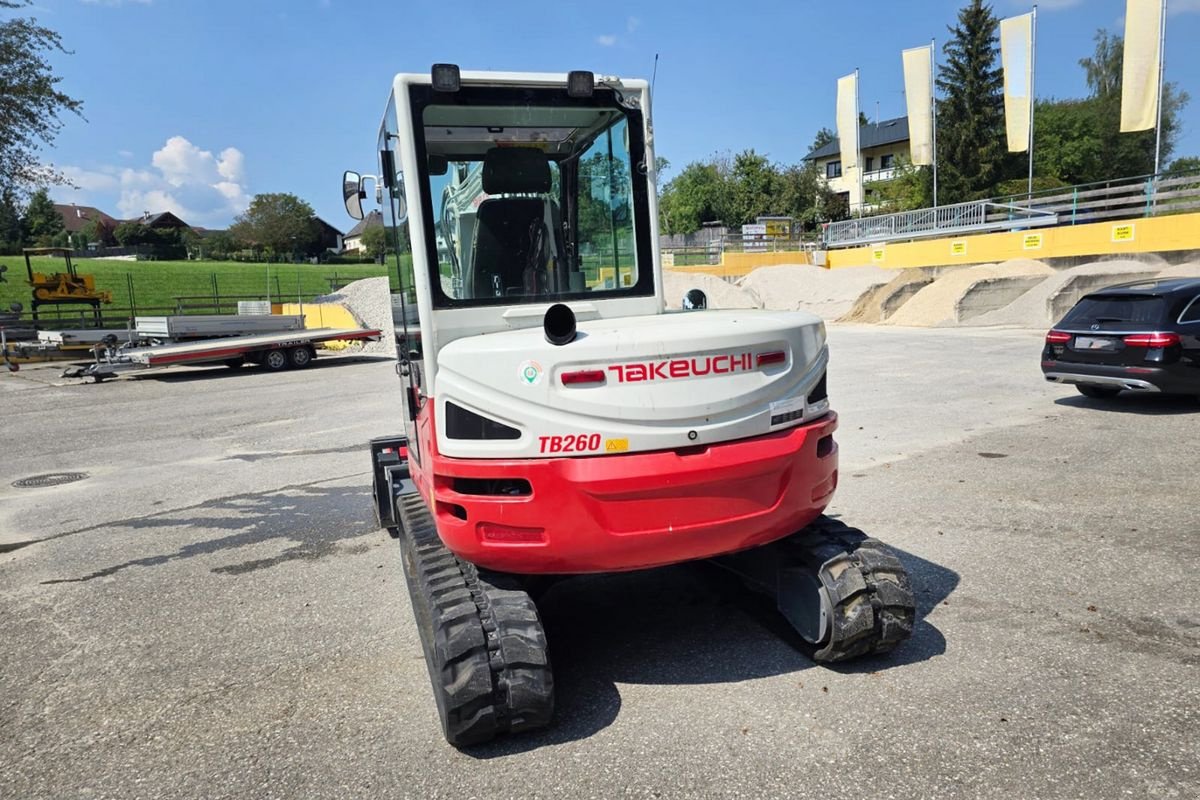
(194,106)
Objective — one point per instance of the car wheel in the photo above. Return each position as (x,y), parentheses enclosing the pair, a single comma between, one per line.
(1097,392)
(275,360)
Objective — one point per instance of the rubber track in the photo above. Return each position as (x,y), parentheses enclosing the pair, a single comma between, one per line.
(482,636)
(869,589)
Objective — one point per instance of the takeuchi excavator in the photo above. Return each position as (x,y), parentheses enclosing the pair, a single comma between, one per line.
(560,420)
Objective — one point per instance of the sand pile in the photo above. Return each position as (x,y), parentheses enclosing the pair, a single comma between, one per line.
(828,293)
(961,294)
(720,293)
(881,302)
(370,301)
(1049,300)
(1188,270)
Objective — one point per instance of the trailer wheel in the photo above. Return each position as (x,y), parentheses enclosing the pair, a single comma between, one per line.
(275,360)
(300,357)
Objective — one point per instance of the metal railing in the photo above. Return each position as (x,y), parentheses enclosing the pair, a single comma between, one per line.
(1140,196)
(973,217)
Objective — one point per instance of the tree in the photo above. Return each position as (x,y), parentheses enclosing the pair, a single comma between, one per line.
(1103,67)
(42,221)
(754,189)
(909,188)
(375,242)
(1129,154)
(12,226)
(971,145)
(281,223)
(823,137)
(1180,166)
(130,234)
(97,231)
(31,106)
(696,195)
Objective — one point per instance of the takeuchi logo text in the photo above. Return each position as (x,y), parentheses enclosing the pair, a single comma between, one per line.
(682,368)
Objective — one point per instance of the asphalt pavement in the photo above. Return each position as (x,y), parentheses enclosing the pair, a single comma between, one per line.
(210,612)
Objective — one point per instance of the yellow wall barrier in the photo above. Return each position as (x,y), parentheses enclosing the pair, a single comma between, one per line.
(318,315)
(1146,235)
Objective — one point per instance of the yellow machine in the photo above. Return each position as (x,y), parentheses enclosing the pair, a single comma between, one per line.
(63,288)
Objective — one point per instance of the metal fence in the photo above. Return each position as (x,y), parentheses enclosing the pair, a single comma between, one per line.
(1141,196)
(974,217)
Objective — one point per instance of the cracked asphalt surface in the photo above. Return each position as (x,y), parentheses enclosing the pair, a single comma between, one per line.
(211,612)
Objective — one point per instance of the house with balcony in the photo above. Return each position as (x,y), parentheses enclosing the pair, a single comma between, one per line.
(881,145)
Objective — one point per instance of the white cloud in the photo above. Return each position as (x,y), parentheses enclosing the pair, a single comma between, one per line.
(606,40)
(125,153)
(118,2)
(632,24)
(190,182)
(1182,6)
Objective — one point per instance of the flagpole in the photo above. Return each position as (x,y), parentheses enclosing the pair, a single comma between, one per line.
(1162,64)
(862,199)
(933,105)
(1032,93)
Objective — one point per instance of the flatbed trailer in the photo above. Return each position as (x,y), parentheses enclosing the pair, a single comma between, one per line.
(273,351)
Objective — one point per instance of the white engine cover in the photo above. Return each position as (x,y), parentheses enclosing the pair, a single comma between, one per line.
(670,380)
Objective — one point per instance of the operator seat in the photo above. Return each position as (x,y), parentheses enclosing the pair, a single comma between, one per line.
(503,244)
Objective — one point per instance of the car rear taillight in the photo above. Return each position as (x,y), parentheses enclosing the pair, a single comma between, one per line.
(582,377)
(773,357)
(1058,337)
(1151,339)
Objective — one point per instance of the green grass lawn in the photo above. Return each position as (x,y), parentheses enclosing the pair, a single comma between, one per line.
(157,283)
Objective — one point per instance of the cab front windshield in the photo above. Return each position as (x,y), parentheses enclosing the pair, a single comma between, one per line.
(531,202)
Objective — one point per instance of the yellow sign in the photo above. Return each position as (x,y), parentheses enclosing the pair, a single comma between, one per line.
(778,228)
(877,255)
(616,445)
(958,248)
(1032,241)
(1122,233)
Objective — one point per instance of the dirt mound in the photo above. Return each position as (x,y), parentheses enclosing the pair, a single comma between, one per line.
(881,302)
(370,301)
(968,292)
(720,293)
(1046,303)
(1188,270)
(828,293)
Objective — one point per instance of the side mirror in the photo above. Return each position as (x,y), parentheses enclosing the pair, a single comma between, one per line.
(352,194)
(695,300)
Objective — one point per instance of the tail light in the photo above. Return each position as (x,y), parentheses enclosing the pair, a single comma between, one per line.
(773,357)
(582,377)
(1151,339)
(1058,337)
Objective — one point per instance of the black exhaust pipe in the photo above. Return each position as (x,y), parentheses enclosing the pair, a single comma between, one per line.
(559,324)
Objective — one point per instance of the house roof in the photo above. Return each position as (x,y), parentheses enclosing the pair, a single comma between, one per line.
(874,134)
(75,218)
(326,225)
(163,219)
(371,220)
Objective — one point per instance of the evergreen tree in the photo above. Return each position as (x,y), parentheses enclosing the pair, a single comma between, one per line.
(12,227)
(972,155)
(41,220)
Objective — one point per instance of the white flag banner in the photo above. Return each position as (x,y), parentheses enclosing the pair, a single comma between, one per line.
(847,121)
(1140,71)
(918,94)
(1016,56)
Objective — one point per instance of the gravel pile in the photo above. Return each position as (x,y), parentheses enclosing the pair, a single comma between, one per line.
(1188,270)
(1053,297)
(370,301)
(961,294)
(828,293)
(720,293)
(881,302)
